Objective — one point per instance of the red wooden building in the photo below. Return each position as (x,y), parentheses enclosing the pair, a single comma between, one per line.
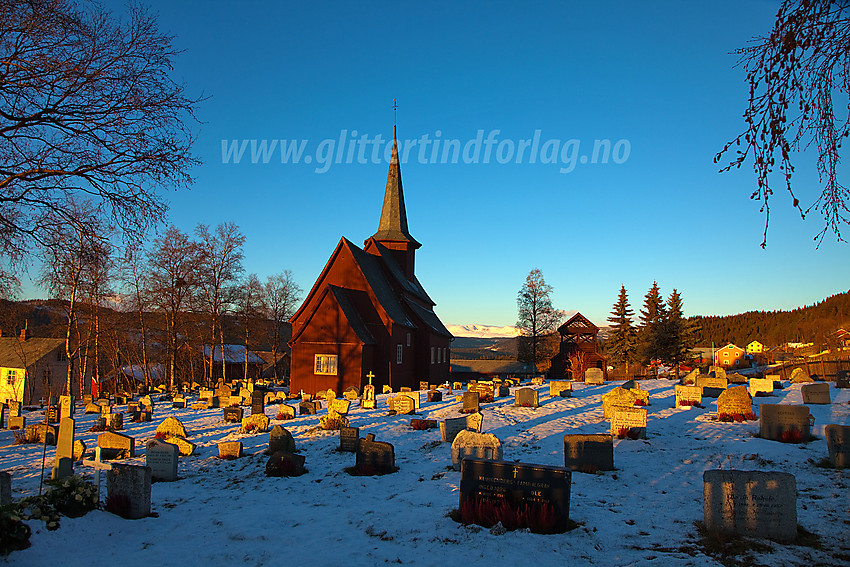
(578,335)
(368,314)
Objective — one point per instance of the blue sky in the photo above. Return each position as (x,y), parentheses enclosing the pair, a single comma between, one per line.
(658,77)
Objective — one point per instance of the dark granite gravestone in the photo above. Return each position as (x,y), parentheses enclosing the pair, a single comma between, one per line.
(526,398)
(349,439)
(162,459)
(307,408)
(51,414)
(781,422)
(280,441)
(233,414)
(128,489)
(470,402)
(589,453)
(842,379)
(752,503)
(376,456)
(5,488)
(435,396)
(258,401)
(838,445)
(517,484)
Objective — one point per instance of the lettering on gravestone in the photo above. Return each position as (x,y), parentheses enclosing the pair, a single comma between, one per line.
(560,388)
(816,393)
(688,396)
(349,439)
(629,423)
(162,459)
(781,422)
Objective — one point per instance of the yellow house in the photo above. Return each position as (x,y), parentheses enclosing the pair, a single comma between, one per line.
(30,368)
(755,347)
(729,356)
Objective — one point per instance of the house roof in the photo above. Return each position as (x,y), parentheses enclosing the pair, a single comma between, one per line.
(233,354)
(15,353)
(578,323)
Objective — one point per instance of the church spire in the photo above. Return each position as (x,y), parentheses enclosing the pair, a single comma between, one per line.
(393,224)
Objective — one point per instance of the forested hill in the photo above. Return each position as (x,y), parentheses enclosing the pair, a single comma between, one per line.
(813,323)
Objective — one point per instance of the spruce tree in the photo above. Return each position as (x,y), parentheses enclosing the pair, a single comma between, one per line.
(651,317)
(675,337)
(622,341)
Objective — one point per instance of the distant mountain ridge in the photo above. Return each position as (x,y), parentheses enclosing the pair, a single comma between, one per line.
(483,331)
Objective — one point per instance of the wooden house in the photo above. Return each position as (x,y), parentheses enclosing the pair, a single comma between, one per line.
(32,369)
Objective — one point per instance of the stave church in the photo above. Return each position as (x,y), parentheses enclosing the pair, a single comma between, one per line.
(367,318)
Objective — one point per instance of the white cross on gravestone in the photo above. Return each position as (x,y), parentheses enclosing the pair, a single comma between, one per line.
(98,466)
(370,376)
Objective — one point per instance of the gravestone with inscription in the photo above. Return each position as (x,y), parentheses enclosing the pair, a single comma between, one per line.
(307,408)
(258,401)
(404,389)
(66,406)
(377,456)
(712,386)
(838,444)
(618,398)
(435,396)
(128,489)
(816,393)
(761,387)
(162,459)
(368,399)
(842,379)
(594,376)
(402,404)
(781,422)
(560,388)
(517,484)
(340,407)
(690,378)
(537,381)
(470,402)
(629,422)
(452,426)
(589,453)
(752,503)
(285,411)
(799,376)
(230,450)
(526,398)
(233,414)
(349,439)
(687,396)
(469,444)
(423,385)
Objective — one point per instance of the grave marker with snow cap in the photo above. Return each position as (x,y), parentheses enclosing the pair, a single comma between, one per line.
(468,444)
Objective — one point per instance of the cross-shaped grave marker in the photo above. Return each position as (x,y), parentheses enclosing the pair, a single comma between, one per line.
(98,466)
(370,376)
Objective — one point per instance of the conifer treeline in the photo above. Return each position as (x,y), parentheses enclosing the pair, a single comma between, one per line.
(812,323)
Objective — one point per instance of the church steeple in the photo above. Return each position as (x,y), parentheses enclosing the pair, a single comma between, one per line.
(393,224)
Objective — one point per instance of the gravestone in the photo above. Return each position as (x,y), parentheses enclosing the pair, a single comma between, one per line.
(423,385)
(105,410)
(435,396)
(687,396)
(517,484)
(469,444)
(404,389)
(285,464)
(470,402)
(589,453)
(402,404)
(736,378)
(838,444)
(690,378)
(387,389)
(79,450)
(763,386)
(92,408)
(816,393)
(307,408)
(258,402)
(560,388)
(712,386)
(505,391)
(116,446)
(368,399)
(233,415)
(14,408)
(421,424)
(594,376)
(842,379)
(641,396)
(349,439)
(537,381)
(2,416)
(781,422)
(734,401)
(280,440)
(799,376)
(452,426)
(230,449)
(179,402)
(5,488)
(617,398)
(51,414)
(128,489)
(486,391)
(17,423)
(255,423)
(63,465)
(526,398)
(42,433)
(630,385)
(66,407)
(184,446)
(631,422)
(717,371)
(171,427)
(376,456)
(340,407)
(162,459)
(285,411)
(457,386)
(115,421)
(752,503)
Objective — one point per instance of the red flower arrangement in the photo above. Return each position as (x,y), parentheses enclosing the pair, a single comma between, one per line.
(792,435)
(539,518)
(689,403)
(640,402)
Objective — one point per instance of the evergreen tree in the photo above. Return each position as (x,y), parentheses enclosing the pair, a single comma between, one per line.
(622,341)
(675,337)
(651,317)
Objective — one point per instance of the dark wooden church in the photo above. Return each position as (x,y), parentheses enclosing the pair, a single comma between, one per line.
(578,337)
(367,316)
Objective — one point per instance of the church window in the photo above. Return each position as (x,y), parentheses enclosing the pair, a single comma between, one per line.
(432,355)
(445,355)
(398,352)
(325,364)
(409,339)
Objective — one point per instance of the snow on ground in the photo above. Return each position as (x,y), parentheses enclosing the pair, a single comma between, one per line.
(229,512)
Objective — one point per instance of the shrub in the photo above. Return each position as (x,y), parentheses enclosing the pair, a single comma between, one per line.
(14,533)
(72,496)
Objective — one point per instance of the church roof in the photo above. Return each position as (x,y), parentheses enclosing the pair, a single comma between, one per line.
(411,286)
(393,223)
(370,266)
(352,315)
